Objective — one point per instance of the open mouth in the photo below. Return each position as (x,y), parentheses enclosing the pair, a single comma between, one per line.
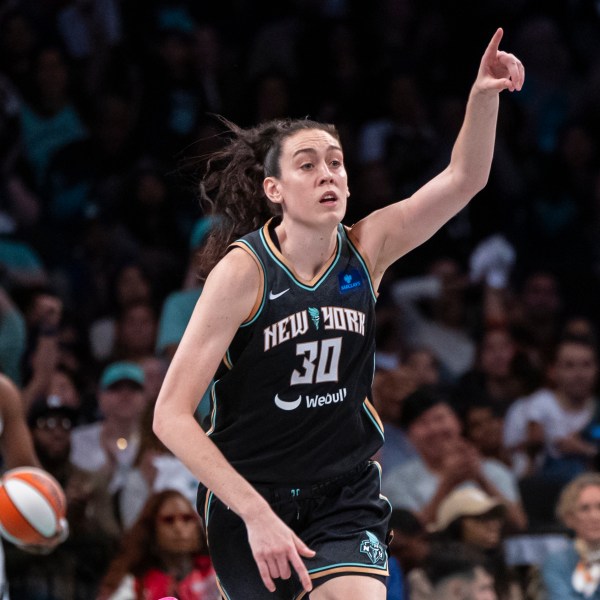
(328,198)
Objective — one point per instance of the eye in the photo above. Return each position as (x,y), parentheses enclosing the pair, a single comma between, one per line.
(306,166)
(336,163)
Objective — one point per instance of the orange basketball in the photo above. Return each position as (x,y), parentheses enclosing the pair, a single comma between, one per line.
(32,505)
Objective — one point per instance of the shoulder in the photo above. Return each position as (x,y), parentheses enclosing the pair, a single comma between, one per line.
(560,560)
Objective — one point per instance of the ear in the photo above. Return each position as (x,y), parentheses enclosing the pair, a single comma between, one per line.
(272,190)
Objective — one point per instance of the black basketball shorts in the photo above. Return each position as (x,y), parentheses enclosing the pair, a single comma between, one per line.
(345,520)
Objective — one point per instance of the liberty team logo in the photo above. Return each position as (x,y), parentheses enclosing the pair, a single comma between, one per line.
(372,548)
(315,316)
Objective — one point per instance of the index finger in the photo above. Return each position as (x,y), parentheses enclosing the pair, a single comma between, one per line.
(490,51)
(302,571)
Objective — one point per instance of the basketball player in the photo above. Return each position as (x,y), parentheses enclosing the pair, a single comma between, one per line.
(291,501)
(16,450)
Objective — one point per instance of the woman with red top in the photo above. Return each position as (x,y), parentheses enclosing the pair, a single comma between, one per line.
(163,554)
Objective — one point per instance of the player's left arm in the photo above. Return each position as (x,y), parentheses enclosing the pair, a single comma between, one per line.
(389,233)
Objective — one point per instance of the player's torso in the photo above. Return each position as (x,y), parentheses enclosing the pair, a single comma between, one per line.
(296,381)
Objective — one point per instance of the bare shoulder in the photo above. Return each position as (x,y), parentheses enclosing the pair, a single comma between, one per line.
(233,286)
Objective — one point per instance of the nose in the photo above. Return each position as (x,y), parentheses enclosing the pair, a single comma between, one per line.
(326,174)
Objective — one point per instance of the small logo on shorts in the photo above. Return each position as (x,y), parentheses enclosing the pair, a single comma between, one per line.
(372,548)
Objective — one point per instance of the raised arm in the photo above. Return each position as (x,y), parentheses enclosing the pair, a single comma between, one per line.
(389,233)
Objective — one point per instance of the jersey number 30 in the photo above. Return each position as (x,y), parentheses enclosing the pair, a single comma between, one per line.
(321,361)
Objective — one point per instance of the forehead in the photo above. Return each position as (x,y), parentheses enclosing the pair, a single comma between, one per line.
(175,503)
(590,493)
(309,139)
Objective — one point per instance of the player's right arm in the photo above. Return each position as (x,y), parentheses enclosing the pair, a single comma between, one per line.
(227,300)
(16,444)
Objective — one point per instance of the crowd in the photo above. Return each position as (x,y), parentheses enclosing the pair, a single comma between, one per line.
(487,358)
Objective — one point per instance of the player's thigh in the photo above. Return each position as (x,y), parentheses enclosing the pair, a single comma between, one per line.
(350,587)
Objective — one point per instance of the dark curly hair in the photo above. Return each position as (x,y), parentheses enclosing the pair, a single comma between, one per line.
(232,186)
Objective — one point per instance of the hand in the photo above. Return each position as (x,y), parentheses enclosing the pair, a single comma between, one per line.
(499,70)
(492,261)
(274,547)
(48,546)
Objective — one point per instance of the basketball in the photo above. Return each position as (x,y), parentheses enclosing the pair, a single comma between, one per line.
(32,506)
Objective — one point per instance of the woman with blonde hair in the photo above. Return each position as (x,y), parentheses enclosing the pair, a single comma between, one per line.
(573,573)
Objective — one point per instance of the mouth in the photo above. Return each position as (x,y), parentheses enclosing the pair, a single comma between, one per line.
(328,198)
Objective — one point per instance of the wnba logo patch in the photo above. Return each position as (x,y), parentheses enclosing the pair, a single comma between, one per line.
(372,548)
(349,280)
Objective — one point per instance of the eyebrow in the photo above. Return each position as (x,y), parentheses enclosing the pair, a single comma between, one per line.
(311,150)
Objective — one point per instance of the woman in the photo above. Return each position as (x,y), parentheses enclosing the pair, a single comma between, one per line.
(472,517)
(574,572)
(291,494)
(163,554)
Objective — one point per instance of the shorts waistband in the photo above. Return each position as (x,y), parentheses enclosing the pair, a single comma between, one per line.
(313,490)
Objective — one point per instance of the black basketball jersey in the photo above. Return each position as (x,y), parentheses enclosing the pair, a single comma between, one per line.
(291,402)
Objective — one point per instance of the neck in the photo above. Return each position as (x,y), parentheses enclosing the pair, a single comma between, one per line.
(306,248)
(177,564)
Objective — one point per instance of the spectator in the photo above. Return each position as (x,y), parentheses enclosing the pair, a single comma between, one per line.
(445,460)
(389,390)
(472,517)
(501,373)
(111,444)
(543,431)
(574,572)
(456,572)
(443,325)
(164,553)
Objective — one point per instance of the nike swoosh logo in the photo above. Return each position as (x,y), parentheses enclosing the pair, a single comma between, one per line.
(287,404)
(273,296)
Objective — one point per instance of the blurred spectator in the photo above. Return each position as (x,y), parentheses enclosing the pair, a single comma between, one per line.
(574,573)
(130,283)
(483,426)
(455,572)
(543,431)
(86,177)
(164,553)
(445,460)
(536,314)
(476,519)
(50,118)
(442,325)
(135,332)
(424,366)
(155,469)
(110,445)
(390,388)
(500,375)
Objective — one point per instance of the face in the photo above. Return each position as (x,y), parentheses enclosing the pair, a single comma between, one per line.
(313,186)
(424,366)
(52,436)
(575,370)
(483,531)
(585,517)
(484,429)
(482,587)
(434,430)
(124,401)
(497,353)
(177,527)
